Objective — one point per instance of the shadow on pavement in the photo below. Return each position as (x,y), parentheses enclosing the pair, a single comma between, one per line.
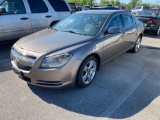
(150,35)
(111,87)
(5,62)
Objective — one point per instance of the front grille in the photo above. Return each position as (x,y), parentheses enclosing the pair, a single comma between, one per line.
(27,56)
(23,67)
(23,62)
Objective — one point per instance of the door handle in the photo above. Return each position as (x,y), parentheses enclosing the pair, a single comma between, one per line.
(24,18)
(48,16)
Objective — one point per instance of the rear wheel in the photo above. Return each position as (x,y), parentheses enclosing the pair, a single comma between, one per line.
(87,72)
(157,32)
(137,45)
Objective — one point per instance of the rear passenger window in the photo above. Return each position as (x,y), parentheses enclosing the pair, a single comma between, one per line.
(128,21)
(37,6)
(116,22)
(59,5)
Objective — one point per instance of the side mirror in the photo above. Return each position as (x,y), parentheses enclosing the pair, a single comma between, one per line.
(2,10)
(113,30)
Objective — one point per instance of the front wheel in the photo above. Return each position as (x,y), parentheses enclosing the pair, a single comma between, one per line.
(87,72)
(137,45)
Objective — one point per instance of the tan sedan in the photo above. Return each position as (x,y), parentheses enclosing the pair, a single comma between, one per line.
(72,50)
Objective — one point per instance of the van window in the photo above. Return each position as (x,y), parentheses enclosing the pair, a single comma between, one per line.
(37,6)
(13,6)
(59,5)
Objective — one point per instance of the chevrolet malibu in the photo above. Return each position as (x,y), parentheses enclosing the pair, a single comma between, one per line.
(71,51)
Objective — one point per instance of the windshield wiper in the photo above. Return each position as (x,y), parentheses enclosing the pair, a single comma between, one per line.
(75,32)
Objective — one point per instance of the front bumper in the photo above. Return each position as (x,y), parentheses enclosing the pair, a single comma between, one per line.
(52,78)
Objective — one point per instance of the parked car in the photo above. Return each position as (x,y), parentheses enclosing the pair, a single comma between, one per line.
(151,20)
(138,9)
(104,8)
(103,5)
(79,8)
(122,8)
(19,18)
(86,7)
(73,7)
(130,9)
(72,51)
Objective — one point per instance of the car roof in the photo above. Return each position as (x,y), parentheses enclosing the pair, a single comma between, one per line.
(101,11)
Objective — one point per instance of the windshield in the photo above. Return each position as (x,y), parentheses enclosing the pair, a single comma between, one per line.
(138,7)
(150,13)
(80,23)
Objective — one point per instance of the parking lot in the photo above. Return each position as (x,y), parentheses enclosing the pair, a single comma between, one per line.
(128,87)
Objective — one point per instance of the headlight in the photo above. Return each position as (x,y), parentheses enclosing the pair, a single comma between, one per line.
(56,61)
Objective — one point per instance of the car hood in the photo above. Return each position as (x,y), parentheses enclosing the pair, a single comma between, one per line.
(49,40)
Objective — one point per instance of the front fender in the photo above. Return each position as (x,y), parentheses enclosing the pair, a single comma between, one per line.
(88,49)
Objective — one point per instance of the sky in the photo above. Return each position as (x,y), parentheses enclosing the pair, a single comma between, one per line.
(149,1)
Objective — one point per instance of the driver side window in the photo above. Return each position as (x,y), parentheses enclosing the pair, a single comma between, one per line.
(13,6)
(116,22)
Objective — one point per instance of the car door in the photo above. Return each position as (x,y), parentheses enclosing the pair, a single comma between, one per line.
(129,31)
(40,15)
(15,23)
(113,43)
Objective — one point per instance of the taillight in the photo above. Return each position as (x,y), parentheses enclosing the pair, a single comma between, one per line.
(153,21)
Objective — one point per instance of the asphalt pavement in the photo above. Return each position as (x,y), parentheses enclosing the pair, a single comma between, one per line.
(127,87)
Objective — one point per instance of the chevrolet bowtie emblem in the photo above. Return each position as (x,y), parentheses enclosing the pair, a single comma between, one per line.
(16,59)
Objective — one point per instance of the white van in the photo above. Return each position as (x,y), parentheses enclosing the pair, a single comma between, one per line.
(19,18)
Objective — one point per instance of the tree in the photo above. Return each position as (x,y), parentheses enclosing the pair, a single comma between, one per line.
(117,2)
(90,2)
(131,4)
(107,2)
(134,3)
(82,2)
(111,2)
(104,2)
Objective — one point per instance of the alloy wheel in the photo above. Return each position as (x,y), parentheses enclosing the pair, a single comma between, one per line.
(138,43)
(89,72)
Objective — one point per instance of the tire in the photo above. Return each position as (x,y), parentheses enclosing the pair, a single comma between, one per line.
(137,45)
(86,72)
(157,32)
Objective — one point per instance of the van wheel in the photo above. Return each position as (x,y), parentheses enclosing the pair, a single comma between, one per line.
(87,72)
